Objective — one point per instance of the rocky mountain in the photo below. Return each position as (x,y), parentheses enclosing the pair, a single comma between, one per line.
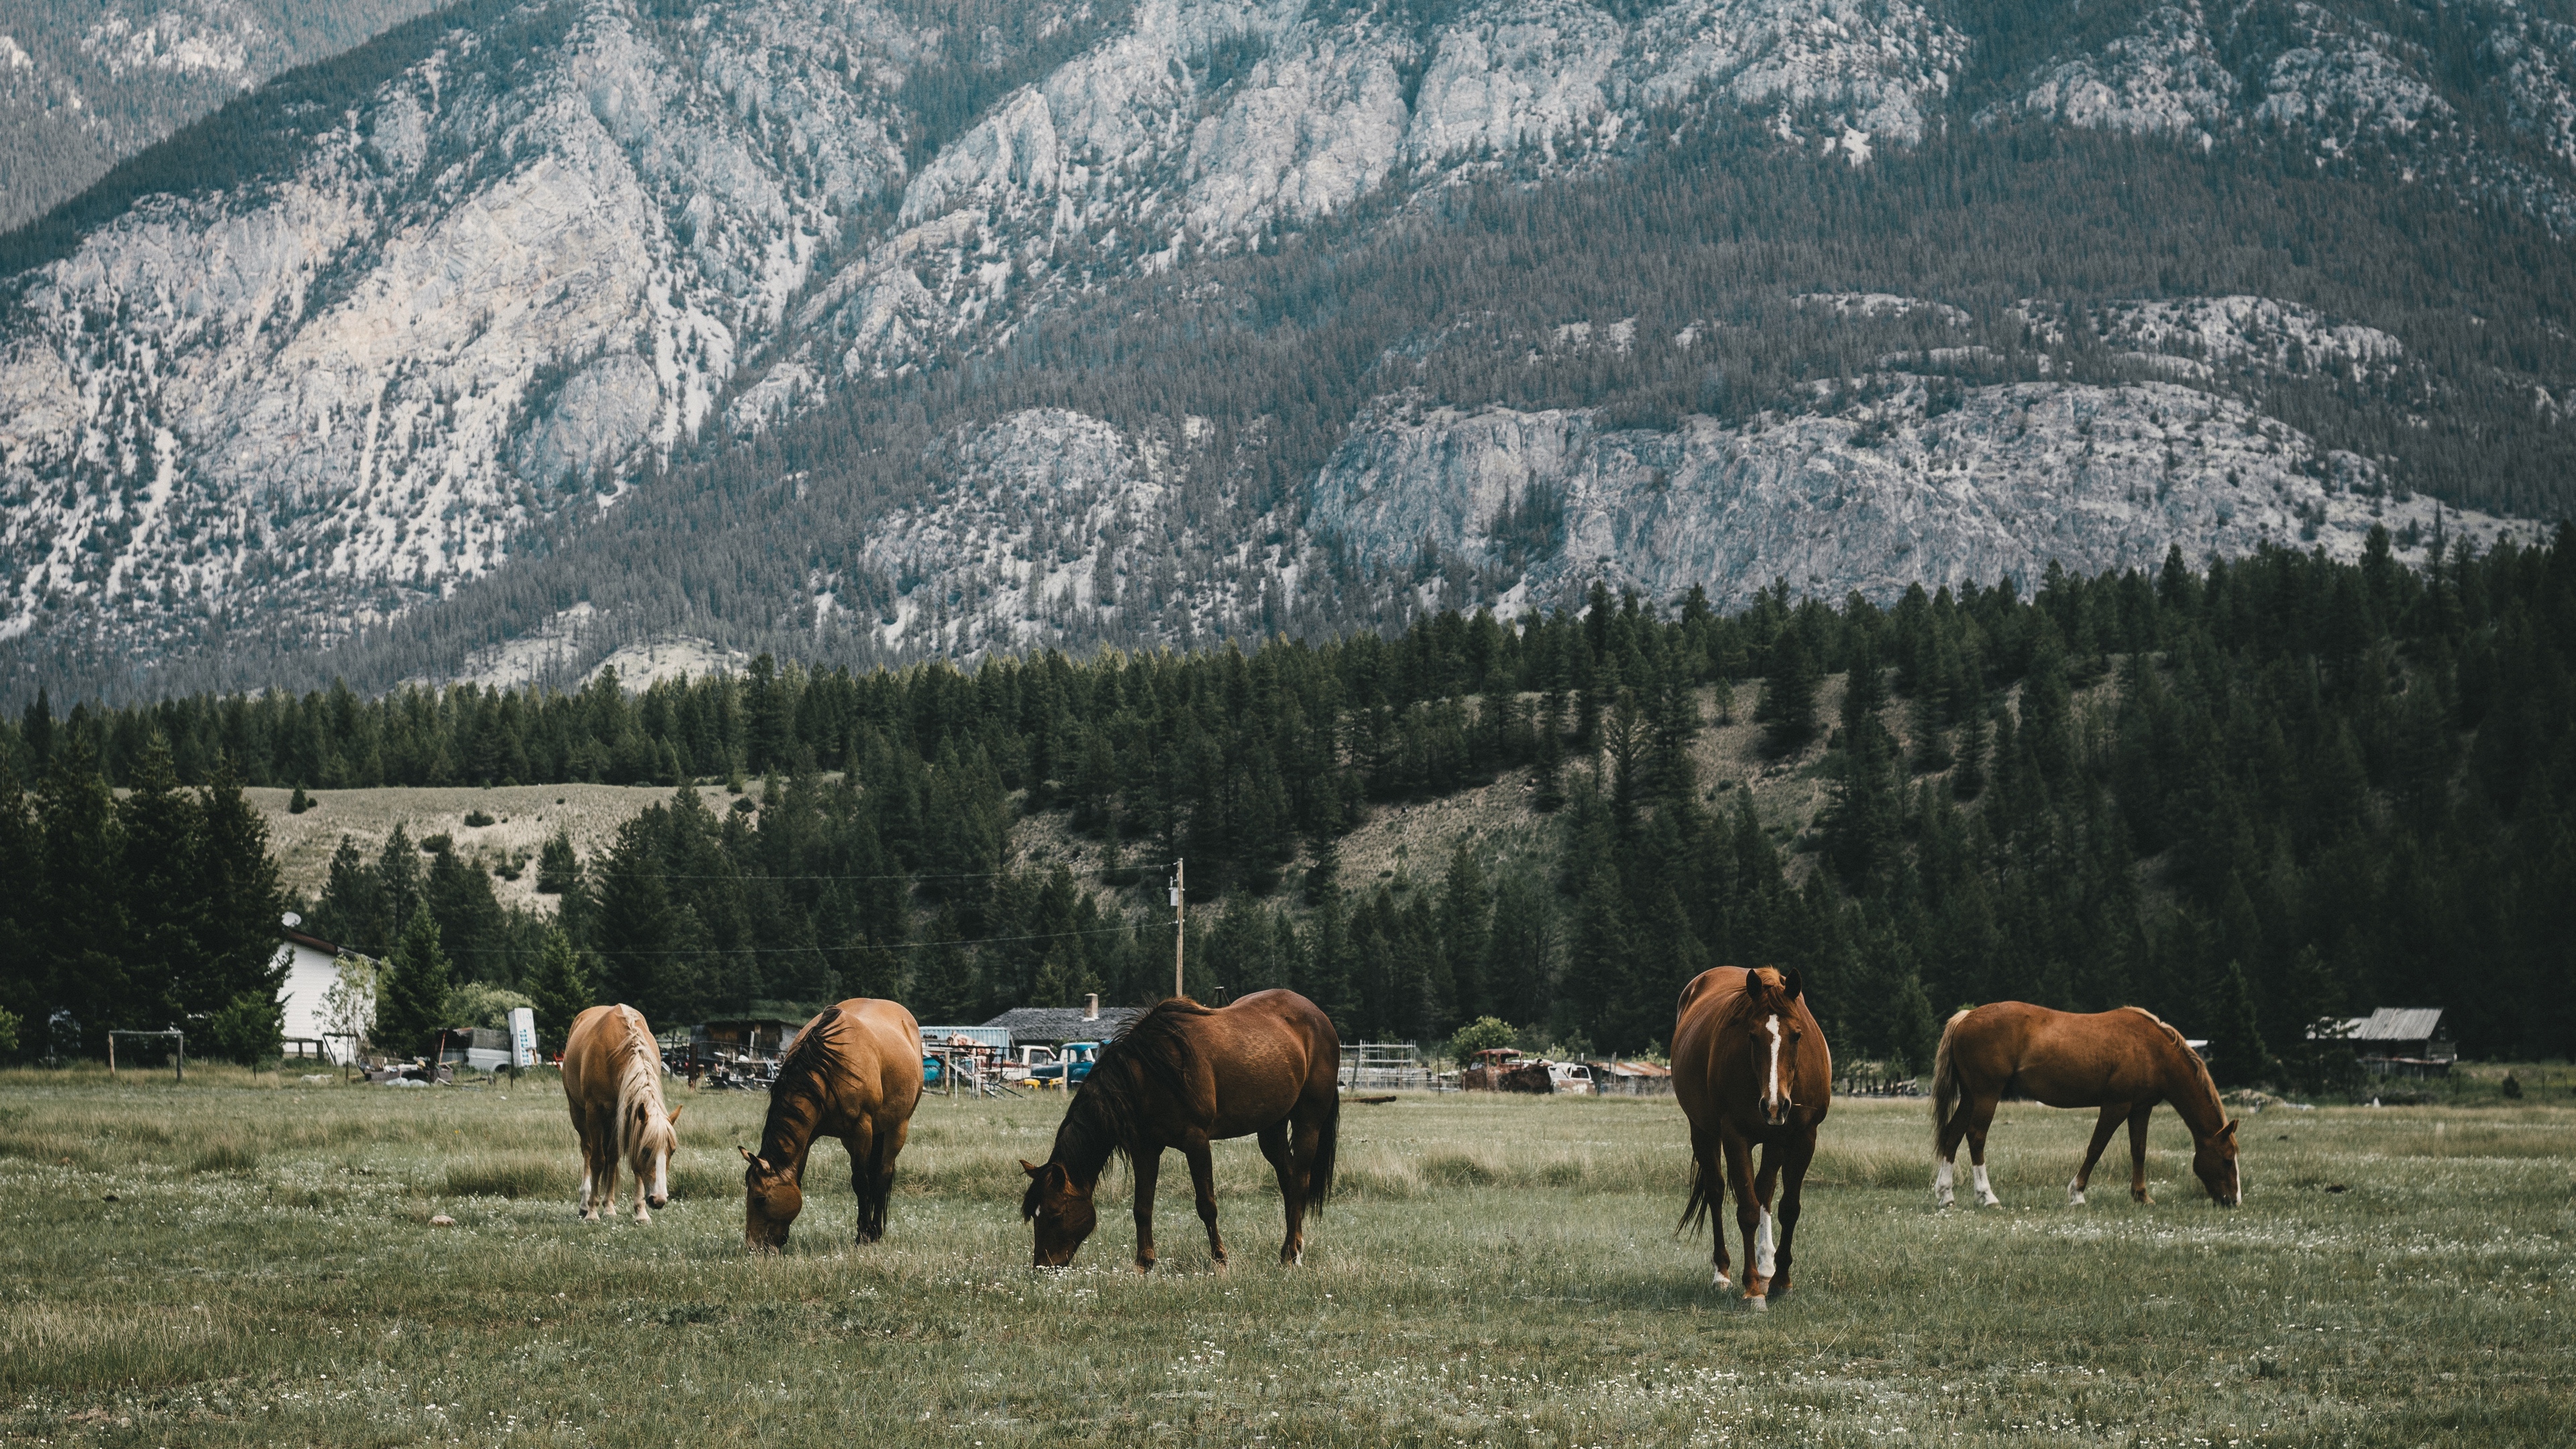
(528,332)
(86,83)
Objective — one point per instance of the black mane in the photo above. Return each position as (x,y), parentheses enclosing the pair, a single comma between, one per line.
(1113,1099)
(799,1071)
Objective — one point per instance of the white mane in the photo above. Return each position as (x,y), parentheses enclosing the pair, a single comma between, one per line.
(639,1080)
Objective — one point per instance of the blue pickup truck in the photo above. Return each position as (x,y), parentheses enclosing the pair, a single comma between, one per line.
(1072,1064)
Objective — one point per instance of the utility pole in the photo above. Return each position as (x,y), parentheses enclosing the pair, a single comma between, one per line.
(1180,913)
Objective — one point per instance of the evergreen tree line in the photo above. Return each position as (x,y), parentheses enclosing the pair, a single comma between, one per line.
(2251,798)
(159,908)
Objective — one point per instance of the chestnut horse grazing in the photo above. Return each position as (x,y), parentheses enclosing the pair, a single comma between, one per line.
(1184,1075)
(1751,1068)
(612,1081)
(2123,1062)
(854,1073)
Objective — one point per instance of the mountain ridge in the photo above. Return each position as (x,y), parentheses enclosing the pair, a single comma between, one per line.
(528,287)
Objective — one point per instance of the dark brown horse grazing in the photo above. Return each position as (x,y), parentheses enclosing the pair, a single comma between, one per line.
(854,1073)
(1184,1075)
(1751,1068)
(2123,1062)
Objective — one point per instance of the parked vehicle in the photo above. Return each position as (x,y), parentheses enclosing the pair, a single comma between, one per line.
(1065,1065)
(1571,1078)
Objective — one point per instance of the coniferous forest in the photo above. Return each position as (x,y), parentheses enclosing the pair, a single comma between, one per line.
(2249,797)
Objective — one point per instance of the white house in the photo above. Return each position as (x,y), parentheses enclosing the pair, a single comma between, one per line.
(312,968)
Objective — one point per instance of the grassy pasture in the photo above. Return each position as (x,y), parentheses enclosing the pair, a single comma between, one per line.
(1492,1272)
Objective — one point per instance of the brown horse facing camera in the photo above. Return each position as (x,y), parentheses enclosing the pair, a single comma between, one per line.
(1184,1075)
(1751,1068)
(854,1073)
(612,1081)
(2123,1062)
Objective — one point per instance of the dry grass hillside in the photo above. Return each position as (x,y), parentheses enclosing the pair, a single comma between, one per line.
(1400,842)
(523,816)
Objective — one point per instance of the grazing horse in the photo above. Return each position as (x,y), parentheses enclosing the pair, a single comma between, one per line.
(1750,1067)
(612,1081)
(2123,1062)
(854,1073)
(1184,1075)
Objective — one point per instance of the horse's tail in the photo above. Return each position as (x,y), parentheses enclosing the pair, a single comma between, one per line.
(1707,1191)
(1945,1080)
(1319,1179)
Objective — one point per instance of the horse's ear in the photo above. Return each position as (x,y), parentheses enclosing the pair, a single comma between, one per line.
(1790,984)
(746,1153)
(676,1111)
(1031,1168)
(2228,1132)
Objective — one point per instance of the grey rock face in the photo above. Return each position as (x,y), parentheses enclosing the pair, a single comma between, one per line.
(1888,495)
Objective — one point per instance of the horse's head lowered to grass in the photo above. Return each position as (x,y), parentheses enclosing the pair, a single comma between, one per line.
(771,1197)
(2213,1161)
(1062,1210)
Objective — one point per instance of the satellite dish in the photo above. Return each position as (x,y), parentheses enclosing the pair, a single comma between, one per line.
(290,920)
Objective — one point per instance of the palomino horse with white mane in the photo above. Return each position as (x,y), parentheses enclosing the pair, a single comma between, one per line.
(612,1080)
(1751,1068)
(854,1073)
(2123,1062)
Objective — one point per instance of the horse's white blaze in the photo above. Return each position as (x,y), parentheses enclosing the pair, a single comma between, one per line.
(1985,1190)
(1772,1090)
(1763,1247)
(662,1176)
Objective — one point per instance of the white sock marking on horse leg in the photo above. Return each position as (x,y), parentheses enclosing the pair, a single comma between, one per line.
(1717,1279)
(585,1194)
(1942,1196)
(1985,1191)
(2075,1192)
(662,1178)
(1763,1247)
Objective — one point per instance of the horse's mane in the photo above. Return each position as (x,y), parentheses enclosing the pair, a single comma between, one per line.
(804,1063)
(2189,1055)
(636,1079)
(1159,1045)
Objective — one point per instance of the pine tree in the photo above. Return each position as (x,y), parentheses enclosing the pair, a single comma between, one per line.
(352,902)
(558,869)
(413,998)
(1788,706)
(243,902)
(558,989)
(2236,1051)
(81,921)
(160,841)
(1466,917)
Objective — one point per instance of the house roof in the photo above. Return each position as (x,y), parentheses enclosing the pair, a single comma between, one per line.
(2396,1023)
(1064,1023)
(311,943)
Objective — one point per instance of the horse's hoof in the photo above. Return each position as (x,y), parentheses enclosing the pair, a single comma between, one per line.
(1720,1280)
(1757,1302)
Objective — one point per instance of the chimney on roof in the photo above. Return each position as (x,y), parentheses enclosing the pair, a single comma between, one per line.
(1091,1006)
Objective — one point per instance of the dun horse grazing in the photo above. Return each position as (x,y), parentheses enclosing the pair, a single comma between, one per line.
(854,1073)
(1751,1068)
(1184,1075)
(2123,1062)
(612,1080)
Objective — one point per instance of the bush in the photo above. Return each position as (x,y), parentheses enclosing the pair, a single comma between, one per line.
(473,1003)
(1480,1034)
(250,1029)
(9,1025)
(476,819)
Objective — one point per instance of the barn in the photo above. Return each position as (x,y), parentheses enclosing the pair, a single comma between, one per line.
(2397,1041)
